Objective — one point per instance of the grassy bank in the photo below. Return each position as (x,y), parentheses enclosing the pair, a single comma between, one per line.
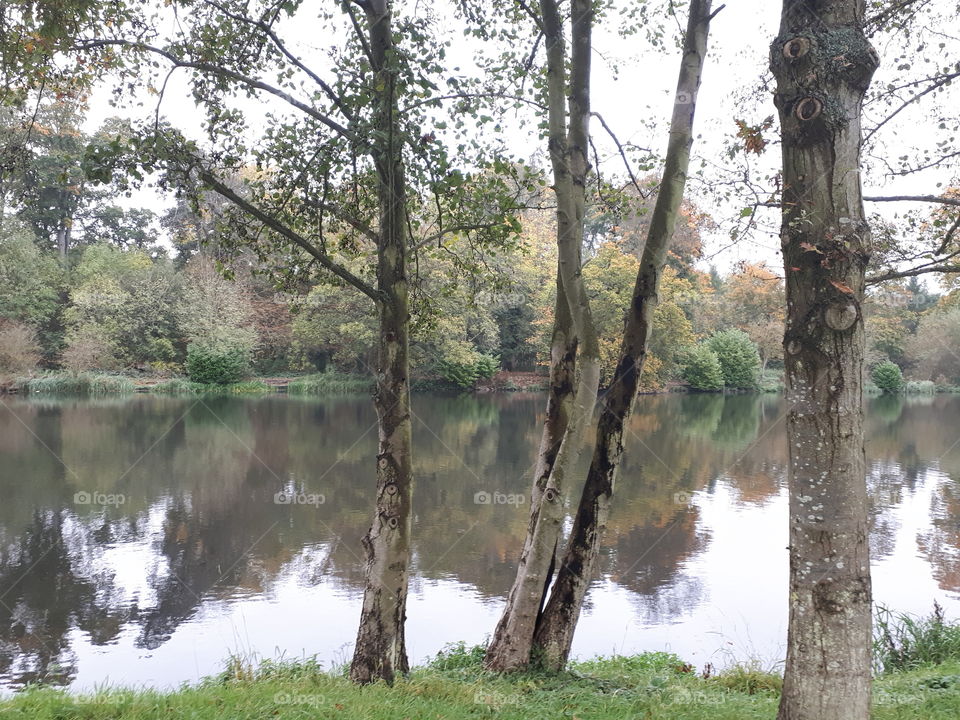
(75,384)
(181,386)
(653,686)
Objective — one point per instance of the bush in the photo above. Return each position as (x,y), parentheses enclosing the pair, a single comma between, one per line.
(702,369)
(920,387)
(217,365)
(739,358)
(888,377)
(19,349)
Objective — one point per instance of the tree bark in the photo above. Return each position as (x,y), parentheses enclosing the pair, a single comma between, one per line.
(554,634)
(380,651)
(823,64)
(575,342)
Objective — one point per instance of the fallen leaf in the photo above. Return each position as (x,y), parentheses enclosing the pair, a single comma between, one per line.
(841,287)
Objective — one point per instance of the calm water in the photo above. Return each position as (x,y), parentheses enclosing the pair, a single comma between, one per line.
(141,541)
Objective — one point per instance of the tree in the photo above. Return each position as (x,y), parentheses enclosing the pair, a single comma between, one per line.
(554,634)
(888,377)
(575,350)
(702,369)
(348,169)
(738,358)
(823,64)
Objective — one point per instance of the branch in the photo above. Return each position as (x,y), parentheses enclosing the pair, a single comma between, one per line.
(225,72)
(268,30)
(946,79)
(294,237)
(915,198)
(339,214)
(470,96)
(894,275)
(623,154)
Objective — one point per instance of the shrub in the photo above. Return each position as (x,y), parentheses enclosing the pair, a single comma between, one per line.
(888,377)
(739,358)
(702,369)
(329,383)
(19,349)
(217,364)
(920,387)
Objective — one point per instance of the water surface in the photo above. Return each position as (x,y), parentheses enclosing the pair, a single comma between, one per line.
(144,539)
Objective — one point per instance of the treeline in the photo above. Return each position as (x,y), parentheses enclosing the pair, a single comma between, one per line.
(133,309)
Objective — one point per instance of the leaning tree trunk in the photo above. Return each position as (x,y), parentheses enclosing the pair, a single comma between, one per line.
(380,650)
(554,635)
(823,64)
(574,336)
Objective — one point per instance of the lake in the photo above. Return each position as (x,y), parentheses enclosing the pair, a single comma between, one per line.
(144,539)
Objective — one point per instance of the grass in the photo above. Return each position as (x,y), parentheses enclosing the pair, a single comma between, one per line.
(181,386)
(454,686)
(330,383)
(65,383)
(907,642)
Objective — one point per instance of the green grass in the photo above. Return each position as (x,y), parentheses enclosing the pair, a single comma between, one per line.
(908,642)
(330,383)
(181,386)
(653,686)
(65,383)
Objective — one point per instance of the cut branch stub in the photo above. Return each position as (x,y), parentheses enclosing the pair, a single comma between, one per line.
(796,48)
(841,316)
(390,489)
(392,522)
(550,495)
(807,109)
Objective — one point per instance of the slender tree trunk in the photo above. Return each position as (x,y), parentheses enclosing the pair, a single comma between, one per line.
(380,651)
(574,336)
(511,643)
(554,634)
(823,64)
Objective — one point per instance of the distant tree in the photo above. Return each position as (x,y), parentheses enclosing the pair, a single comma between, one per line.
(738,357)
(702,369)
(888,377)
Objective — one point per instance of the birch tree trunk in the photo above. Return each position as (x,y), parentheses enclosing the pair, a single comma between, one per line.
(554,634)
(823,64)
(575,342)
(380,651)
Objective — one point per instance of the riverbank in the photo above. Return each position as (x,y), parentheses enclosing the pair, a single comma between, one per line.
(652,686)
(334,383)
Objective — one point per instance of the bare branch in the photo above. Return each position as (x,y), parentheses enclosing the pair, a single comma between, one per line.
(915,198)
(227,73)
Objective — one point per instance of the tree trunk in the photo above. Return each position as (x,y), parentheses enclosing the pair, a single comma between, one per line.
(823,64)
(574,336)
(380,650)
(554,634)
(511,643)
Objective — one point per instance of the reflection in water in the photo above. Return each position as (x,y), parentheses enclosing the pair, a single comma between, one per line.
(145,538)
